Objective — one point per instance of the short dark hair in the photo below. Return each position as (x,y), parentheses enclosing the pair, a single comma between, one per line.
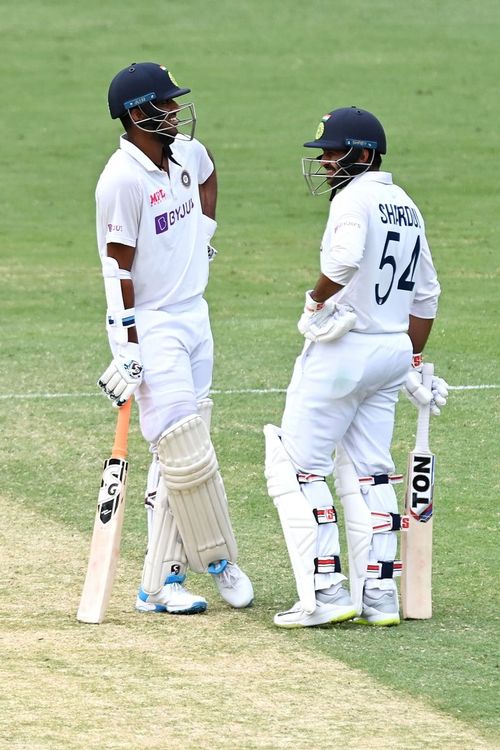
(377,161)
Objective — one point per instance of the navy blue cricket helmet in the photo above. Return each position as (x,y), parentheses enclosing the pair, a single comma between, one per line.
(139,84)
(349,127)
(349,130)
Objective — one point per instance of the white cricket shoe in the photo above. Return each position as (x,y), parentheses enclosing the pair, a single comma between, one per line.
(234,585)
(335,606)
(379,608)
(172,598)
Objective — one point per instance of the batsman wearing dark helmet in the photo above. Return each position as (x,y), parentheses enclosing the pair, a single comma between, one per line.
(156,201)
(366,323)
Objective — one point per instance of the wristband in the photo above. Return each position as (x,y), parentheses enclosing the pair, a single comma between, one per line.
(311,306)
(123,318)
(417,360)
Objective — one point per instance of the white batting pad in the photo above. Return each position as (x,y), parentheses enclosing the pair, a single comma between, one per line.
(297,519)
(382,498)
(196,493)
(318,495)
(358,523)
(165,555)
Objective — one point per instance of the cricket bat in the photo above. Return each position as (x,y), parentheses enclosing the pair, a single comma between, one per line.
(416,538)
(106,536)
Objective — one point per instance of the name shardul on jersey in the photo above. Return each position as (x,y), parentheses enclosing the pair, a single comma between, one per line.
(400,215)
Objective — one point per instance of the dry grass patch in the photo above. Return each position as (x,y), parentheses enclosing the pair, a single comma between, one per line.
(218,681)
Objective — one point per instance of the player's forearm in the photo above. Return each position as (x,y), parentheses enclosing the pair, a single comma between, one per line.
(208,195)
(418,331)
(325,288)
(124,256)
(129,303)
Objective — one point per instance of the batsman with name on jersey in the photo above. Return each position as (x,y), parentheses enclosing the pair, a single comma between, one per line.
(156,201)
(366,323)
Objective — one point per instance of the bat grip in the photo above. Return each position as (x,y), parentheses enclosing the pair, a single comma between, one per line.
(424,412)
(121,433)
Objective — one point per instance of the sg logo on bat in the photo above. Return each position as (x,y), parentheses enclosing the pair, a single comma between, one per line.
(111,491)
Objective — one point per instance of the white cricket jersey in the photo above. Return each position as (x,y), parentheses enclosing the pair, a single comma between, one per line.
(375,245)
(160,215)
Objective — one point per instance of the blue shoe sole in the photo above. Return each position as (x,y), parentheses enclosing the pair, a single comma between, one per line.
(160,608)
(194,610)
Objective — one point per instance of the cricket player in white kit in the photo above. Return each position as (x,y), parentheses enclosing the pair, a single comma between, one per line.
(366,323)
(156,201)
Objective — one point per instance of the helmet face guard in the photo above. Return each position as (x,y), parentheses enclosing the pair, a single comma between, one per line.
(319,181)
(348,130)
(175,124)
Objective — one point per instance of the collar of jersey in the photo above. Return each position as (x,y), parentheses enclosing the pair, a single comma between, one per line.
(384,177)
(137,154)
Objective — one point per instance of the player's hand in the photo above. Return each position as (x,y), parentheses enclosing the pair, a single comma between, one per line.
(123,376)
(419,395)
(209,227)
(325,321)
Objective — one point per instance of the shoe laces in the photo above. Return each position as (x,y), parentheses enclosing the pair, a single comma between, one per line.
(229,576)
(175,587)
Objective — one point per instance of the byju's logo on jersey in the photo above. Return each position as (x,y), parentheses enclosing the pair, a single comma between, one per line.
(157,197)
(165,221)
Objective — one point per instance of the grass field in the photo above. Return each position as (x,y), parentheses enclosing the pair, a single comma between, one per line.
(261,75)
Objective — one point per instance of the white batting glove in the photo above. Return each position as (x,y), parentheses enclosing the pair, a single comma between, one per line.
(325,321)
(413,389)
(209,227)
(123,376)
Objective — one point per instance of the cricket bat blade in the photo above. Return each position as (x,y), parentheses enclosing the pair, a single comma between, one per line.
(416,539)
(106,535)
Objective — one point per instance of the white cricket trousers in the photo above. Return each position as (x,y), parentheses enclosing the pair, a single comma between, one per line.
(345,390)
(177,354)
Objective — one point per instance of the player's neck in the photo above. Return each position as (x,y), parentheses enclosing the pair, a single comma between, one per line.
(158,152)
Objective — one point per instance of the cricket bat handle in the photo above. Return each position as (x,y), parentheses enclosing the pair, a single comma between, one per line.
(120,445)
(424,412)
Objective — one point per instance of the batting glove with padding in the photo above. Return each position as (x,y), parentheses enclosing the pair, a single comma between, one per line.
(418,394)
(325,321)
(123,376)
(209,227)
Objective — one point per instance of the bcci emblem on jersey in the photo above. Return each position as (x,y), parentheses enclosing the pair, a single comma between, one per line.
(185,178)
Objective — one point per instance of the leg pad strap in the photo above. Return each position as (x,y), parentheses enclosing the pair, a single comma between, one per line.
(388,522)
(384,569)
(327,564)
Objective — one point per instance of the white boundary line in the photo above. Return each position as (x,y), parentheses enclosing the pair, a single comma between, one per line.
(470,387)
(215,392)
